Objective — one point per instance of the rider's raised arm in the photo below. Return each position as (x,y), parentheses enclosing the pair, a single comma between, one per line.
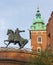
(21,30)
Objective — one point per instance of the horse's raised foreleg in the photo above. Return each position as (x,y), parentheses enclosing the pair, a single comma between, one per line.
(7,44)
(5,41)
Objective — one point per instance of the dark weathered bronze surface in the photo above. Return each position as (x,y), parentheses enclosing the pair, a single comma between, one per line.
(15,37)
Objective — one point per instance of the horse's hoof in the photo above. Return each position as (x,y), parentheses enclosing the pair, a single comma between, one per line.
(5,47)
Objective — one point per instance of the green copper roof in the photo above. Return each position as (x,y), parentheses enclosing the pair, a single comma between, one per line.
(38,23)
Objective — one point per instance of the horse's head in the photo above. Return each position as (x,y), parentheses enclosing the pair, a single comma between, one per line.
(10,32)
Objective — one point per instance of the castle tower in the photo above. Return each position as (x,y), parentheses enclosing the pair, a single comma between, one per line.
(38,34)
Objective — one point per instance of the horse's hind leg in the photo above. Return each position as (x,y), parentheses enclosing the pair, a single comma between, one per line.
(19,45)
(5,41)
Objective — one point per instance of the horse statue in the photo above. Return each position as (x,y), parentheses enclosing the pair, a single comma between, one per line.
(14,37)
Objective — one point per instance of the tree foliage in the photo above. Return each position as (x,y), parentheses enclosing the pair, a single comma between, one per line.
(43,58)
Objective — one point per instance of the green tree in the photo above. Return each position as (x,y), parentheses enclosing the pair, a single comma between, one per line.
(41,59)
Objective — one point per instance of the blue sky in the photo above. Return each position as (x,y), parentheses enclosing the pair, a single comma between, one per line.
(20,14)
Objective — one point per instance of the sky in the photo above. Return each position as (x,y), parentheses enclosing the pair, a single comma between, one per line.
(20,14)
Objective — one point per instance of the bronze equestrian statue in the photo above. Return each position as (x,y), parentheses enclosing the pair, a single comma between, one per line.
(14,37)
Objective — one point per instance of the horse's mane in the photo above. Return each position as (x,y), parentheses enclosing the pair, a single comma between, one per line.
(11,31)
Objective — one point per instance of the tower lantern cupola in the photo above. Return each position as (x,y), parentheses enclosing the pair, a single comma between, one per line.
(38,15)
(38,23)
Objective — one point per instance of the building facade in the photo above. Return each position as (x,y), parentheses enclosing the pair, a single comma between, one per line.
(50,33)
(38,34)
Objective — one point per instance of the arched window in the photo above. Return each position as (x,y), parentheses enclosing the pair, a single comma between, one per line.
(38,49)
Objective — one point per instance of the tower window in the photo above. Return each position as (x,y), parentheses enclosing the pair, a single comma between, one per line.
(38,49)
(39,39)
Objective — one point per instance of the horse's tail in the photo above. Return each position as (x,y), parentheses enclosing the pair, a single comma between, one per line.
(23,43)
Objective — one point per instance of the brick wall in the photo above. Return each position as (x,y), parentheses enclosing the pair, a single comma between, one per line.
(34,42)
(50,32)
(14,56)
